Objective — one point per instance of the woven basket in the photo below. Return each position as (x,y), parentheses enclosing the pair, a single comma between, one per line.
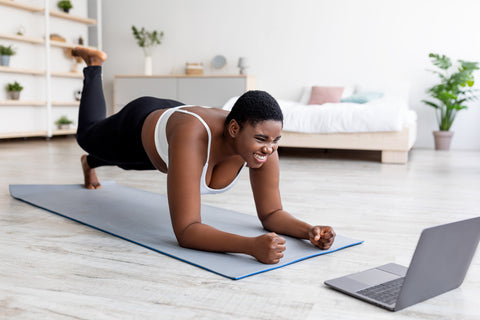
(193,69)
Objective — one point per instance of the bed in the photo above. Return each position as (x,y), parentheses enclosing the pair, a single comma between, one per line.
(383,123)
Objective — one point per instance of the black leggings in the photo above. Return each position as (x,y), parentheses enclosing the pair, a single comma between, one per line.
(115,140)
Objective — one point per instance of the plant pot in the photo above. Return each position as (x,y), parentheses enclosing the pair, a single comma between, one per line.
(65,10)
(14,95)
(5,60)
(442,139)
(63,126)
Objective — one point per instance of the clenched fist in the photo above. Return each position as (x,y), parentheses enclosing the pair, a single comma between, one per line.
(322,236)
(268,248)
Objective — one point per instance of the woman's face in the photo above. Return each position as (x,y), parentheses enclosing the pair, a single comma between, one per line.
(255,143)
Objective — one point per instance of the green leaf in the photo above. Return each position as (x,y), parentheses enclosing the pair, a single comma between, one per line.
(468,65)
(431,104)
(459,107)
(441,61)
(147,39)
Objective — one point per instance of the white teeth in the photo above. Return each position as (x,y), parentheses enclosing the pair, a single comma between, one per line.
(260,157)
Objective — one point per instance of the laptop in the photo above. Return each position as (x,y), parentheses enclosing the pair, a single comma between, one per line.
(439,264)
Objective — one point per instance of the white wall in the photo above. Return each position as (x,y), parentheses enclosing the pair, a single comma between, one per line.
(293,43)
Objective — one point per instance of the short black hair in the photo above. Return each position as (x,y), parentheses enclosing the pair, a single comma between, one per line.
(255,106)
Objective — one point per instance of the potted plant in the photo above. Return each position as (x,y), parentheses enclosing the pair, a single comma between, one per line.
(451,94)
(147,40)
(6,53)
(65,5)
(63,123)
(13,90)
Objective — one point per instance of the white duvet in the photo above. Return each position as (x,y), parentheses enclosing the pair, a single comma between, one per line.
(384,114)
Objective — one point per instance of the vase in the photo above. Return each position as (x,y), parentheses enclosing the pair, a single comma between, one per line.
(442,139)
(148,65)
(4,60)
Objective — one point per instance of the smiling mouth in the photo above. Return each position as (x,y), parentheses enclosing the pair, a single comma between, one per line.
(260,157)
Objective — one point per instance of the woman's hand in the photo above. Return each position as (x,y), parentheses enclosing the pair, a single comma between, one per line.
(321,236)
(268,248)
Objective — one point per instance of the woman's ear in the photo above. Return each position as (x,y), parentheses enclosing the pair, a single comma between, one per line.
(233,128)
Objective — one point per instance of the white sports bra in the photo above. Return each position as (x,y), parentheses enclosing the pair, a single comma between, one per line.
(161,144)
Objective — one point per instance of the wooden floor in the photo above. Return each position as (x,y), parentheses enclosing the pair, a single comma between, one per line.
(53,268)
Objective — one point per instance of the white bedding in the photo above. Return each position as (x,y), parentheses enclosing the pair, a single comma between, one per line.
(384,114)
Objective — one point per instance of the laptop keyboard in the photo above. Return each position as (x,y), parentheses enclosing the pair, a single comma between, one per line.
(386,292)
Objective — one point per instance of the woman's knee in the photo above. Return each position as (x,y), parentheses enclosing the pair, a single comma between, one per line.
(81,140)
(85,139)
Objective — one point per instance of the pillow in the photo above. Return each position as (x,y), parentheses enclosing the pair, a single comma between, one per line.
(348,90)
(321,95)
(363,97)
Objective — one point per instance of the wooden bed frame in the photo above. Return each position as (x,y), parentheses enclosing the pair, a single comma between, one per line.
(394,145)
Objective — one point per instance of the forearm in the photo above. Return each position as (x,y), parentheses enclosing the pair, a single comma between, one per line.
(282,222)
(204,237)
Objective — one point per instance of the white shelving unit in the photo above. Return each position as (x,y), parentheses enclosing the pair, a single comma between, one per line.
(46,72)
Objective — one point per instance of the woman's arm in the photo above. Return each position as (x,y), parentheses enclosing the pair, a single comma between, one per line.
(187,156)
(265,186)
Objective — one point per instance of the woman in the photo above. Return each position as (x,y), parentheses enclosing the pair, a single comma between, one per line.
(202,150)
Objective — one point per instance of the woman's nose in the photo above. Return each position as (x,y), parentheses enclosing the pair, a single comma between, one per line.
(267,150)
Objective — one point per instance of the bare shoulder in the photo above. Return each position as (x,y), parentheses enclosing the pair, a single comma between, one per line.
(187,136)
(213,117)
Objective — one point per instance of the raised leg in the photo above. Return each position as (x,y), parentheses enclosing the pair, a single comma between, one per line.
(92,106)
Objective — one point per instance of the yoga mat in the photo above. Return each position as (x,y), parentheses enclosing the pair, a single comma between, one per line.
(143,218)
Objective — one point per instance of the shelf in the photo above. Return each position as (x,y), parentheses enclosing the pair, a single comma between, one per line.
(57,14)
(67,75)
(21,103)
(29,103)
(68,16)
(17,37)
(66,103)
(22,71)
(24,134)
(21,6)
(41,72)
(64,132)
(39,133)
(40,41)
(69,45)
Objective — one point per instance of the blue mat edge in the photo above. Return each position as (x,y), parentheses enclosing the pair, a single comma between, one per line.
(298,260)
(175,257)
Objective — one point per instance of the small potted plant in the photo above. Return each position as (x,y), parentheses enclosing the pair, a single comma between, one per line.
(65,5)
(451,94)
(13,90)
(147,40)
(63,123)
(5,54)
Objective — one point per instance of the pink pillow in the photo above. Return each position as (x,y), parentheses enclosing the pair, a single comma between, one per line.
(321,95)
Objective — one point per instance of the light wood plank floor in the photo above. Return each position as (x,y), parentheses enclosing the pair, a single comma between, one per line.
(53,268)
